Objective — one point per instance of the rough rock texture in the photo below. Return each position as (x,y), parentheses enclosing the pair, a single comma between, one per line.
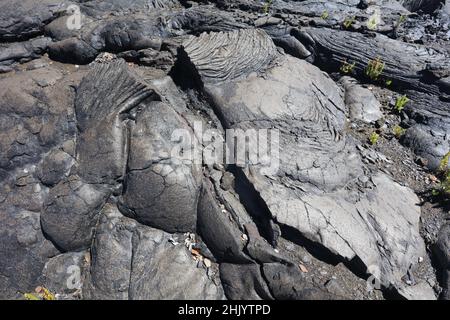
(424,5)
(130,261)
(404,65)
(139,26)
(307,193)
(24,19)
(361,102)
(35,119)
(224,51)
(244,282)
(172,203)
(443,256)
(118,124)
(70,213)
(286,283)
(23,51)
(65,271)
(428,132)
(23,253)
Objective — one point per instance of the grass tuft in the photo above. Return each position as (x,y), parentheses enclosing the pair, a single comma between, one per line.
(375,68)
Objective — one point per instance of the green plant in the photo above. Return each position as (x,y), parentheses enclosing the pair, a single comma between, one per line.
(267,5)
(348,22)
(444,186)
(388,82)
(325,15)
(347,67)
(375,68)
(401,103)
(443,166)
(400,20)
(398,131)
(374,137)
(372,23)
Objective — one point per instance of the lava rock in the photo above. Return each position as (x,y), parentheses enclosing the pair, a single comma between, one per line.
(324,212)
(361,102)
(131,261)
(287,283)
(244,282)
(442,251)
(64,274)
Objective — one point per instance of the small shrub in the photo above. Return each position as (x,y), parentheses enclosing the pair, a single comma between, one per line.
(388,82)
(398,131)
(267,5)
(444,186)
(374,137)
(401,103)
(348,22)
(372,23)
(347,67)
(325,15)
(400,20)
(443,166)
(375,68)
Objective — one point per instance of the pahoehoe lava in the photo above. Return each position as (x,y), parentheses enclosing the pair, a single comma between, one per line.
(95,96)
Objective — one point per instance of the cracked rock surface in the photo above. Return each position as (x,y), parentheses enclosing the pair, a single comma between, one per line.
(104,194)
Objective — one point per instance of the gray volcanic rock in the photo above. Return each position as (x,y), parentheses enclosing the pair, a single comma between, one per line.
(65,272)
(55,166)
(326,13)
(443,255)
(109,273)
(314,189)
(404,64)
(102,124)
(24,19)
(35,120)
(131,261)
(220,233)
(203,19)
(113,26)
(165,149)
(228,60)
(72,50)
(423,5)
(361,102)
(280,106)
(23,253)
(103,7)
(408,66)
(35,115)
(23,51)
(162,191)
(429,130)
(287,283)
(141,29)
(70,213)
(244,282)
